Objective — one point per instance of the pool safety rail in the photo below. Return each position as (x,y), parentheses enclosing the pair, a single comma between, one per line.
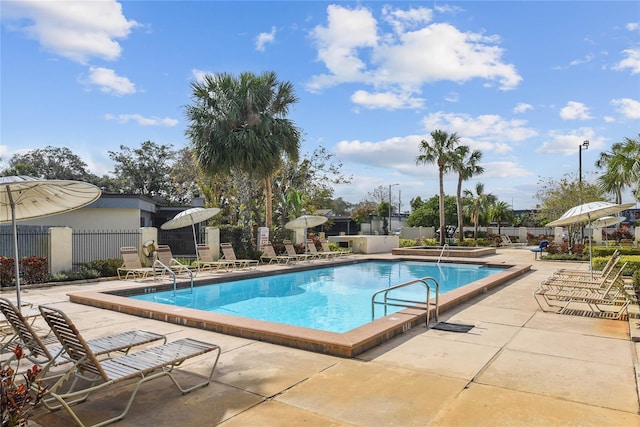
(157,264)
(446,246)
(400,302)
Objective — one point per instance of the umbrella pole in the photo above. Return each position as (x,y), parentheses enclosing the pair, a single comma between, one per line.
(195,241)
(15,249)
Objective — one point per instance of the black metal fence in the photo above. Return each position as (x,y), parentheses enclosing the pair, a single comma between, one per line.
(33,240)
(95,245)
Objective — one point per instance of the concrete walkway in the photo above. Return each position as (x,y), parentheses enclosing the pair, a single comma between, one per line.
(518,366)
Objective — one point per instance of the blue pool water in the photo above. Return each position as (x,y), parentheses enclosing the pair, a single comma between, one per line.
(335,299)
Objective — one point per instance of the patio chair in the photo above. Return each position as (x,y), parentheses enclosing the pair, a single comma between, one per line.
(269,255)
(611,293)
(541,247)
(230,255)
(293,254)
(325,248)
(165,256)
(206,261)
(132,267)
(568,273)
(584,282)
(311,249)
(506,241)
(47,351)
(144,365)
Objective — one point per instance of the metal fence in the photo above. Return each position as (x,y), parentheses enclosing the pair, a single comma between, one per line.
(32,241)
(96,245)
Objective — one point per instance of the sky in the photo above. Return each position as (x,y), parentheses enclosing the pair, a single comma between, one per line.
(524,82)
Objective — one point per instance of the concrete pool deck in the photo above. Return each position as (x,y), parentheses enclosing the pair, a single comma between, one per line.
(518,366)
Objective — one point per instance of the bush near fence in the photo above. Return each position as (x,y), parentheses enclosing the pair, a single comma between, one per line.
(32,270)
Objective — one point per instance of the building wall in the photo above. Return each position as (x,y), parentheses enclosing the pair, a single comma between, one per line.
(102,219)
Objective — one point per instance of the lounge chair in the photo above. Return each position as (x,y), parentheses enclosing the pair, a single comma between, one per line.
(269,255)
(132,267)
(143,366)
(205,260)
(325,248)
(293,254)
(311,249)
(165,256)
(610,293)
(569,273)
(229,254)
(47,351)
(506,241)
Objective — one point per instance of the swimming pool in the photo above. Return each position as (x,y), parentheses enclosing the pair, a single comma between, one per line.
(333,299)
(346,344)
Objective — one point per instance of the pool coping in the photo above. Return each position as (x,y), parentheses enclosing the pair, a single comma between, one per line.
(347,345)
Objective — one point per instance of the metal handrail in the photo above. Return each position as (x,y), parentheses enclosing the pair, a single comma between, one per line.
(173,273)
(446,246)
(398,302)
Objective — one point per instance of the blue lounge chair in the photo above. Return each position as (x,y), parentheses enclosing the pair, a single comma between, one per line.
(541,247)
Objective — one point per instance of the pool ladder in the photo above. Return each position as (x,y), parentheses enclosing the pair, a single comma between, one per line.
(400,302)
(165,268)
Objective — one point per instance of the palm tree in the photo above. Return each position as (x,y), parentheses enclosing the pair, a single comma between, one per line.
(239,124)
(441,152)
(465,163)
(477,204)
(622,168)
(500,211)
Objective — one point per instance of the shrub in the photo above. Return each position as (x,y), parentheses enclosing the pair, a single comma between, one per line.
(34,269)
(17,400)
(7,271)
(104,267)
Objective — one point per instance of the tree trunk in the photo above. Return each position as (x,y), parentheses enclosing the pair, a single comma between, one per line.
(441,203)
(459,208)
(268,217)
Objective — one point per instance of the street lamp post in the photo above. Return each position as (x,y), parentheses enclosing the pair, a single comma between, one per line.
(584,145)
(389,226)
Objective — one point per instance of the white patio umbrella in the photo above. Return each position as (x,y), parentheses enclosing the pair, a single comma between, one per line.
(606,221)
(190,217)
(589,212)
(26,197)
(305,221)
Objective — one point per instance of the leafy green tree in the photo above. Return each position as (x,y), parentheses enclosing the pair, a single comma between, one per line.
(622,168)
(465,164)
(439,151)
(501,212)
(428,213)
(50,163)
(475,205)
(362,212)
(240,124)
(145,170)
(383,211)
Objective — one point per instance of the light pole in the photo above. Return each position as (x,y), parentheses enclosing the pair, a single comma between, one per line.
(584,145)
(389,226)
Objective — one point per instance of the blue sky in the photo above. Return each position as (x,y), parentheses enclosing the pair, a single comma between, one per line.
(524,82)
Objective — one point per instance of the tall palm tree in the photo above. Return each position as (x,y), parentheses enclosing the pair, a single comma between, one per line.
(622,168)
(477,204)
(465,163)
(500,211)
(439,151)
(240,123)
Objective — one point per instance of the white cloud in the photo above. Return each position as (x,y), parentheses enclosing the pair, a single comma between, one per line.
(504,169)
(263,38)
(575,111)
(108,81)
(77,30)
(141,120)
(355,49)
(568,144)
(632,61)
(387,100)
(629,108)
(522,108)
(633,26)
(487,131)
